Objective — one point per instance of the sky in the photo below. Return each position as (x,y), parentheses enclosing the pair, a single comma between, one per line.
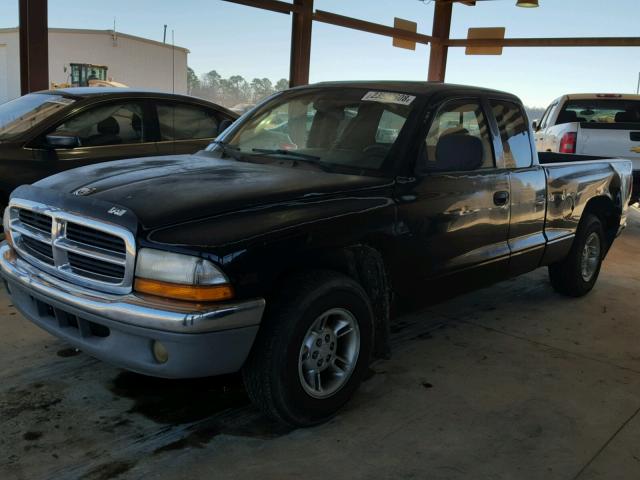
(239,40)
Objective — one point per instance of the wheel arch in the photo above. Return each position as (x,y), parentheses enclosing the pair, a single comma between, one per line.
(362,262)
(609,210)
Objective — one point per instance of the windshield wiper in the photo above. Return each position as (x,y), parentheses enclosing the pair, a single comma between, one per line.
(291,153)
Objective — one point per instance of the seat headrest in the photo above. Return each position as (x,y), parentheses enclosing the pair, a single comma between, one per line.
(459,152)
(109,126)
(622,117)
(136,122)
(567,116)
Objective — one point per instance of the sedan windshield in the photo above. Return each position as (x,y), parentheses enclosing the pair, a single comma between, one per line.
(21,114)
(352,127)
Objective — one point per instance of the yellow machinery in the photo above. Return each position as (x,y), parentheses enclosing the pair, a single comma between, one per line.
(87,75)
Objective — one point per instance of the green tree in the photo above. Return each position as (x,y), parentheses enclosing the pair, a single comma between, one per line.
(211,80)
(262,87)
(282,84)
(193,82)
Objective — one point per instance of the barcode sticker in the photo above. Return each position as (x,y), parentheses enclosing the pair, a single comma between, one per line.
(389,97)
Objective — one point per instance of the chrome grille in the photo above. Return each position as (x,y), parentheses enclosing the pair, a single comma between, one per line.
(35,220)
(96,238)
(87,252)
(38,249)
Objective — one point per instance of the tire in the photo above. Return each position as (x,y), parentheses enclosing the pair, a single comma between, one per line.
(277,379)
(568,276)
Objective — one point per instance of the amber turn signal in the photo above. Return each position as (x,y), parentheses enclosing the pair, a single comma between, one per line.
(195,293)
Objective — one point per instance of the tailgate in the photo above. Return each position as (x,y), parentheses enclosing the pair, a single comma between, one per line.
(611,140)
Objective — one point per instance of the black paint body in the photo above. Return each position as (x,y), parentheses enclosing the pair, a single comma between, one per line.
(262,221)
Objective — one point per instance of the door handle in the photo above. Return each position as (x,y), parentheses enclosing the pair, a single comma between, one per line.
(501,198)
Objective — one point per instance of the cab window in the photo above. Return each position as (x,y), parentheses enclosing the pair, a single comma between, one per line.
(113,124)
(462,122)
(514,133)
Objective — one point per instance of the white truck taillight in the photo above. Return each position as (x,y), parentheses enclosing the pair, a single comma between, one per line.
(568,143)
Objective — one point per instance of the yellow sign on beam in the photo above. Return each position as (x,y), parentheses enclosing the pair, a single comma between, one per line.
(493,33)
(408,25)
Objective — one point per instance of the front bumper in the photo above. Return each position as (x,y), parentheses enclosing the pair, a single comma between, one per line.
(201,340)
(635,192)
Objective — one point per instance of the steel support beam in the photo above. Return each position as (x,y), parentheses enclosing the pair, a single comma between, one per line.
(271,5)
(34,46)
(369,27)
(300,61)
(440,35)
(548,42)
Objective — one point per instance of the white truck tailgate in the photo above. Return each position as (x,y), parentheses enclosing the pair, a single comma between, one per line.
(622,142)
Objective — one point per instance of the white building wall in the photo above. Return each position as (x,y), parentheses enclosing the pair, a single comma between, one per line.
(134,61)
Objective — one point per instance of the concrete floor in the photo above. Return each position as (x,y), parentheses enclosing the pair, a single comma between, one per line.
(509,382)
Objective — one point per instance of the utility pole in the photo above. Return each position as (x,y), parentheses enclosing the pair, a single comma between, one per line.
(638,87)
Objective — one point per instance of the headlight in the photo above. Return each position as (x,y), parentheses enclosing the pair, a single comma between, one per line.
(6,222)
(183,277)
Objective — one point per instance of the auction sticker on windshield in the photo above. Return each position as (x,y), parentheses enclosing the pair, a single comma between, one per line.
(389,97)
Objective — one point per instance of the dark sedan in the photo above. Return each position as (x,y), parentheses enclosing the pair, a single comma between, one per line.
(46,132)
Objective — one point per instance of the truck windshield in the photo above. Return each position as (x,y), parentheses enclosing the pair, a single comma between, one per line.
(600,111)
(353,127)
(21,114)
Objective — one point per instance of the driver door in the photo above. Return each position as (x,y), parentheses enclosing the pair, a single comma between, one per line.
(457,211)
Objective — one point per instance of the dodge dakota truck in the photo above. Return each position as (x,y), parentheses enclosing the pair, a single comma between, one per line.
(279,251)
(603,124)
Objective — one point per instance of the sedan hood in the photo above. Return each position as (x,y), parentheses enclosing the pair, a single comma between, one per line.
(173,189)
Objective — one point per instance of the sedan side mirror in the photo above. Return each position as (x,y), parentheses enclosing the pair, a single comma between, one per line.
(224,124)
(534,125)
(62,141)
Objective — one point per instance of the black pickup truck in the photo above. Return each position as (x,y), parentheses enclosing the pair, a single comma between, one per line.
(280,250)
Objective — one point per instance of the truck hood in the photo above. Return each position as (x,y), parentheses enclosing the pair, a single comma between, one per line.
(167,190)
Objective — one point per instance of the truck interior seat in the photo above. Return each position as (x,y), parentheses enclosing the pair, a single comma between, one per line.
(567,116)
(324,127)
(622,117)
(361,130)
(459,152)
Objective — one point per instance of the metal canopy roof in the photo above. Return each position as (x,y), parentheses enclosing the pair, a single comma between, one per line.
(34,40)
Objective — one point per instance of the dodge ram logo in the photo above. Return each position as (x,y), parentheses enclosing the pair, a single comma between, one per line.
(117,211)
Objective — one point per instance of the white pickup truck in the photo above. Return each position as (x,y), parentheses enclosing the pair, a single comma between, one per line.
(598,124)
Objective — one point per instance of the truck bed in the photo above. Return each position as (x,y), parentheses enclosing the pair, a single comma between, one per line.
(554,158)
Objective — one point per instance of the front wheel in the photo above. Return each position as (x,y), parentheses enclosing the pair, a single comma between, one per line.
(576,275)
(312,350)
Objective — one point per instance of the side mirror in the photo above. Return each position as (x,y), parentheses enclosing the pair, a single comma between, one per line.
(62,141)
(224,124)
(534,125)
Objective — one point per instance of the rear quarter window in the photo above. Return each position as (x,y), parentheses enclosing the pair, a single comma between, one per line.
(514,133)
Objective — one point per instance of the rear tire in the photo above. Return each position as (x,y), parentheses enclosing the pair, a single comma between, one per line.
(312,350)
(576,275)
